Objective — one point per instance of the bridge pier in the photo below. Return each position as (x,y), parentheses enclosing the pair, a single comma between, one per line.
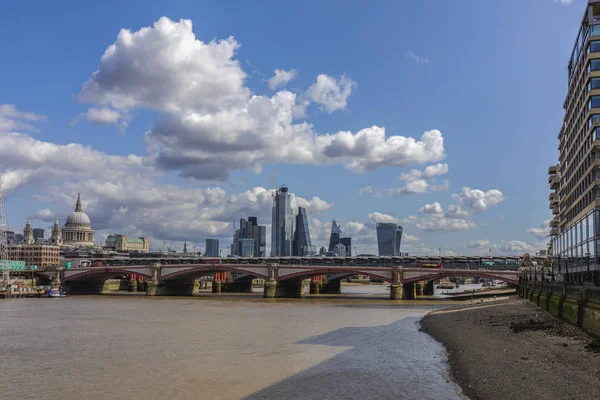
(217,286)
(429,288)
(409,291)
(419,288)
(243,285)
(332,287)
(132,285)
(290,289)
(315,287)
(95,286)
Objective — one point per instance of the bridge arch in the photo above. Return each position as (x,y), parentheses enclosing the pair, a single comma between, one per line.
(430,275)
(207,269)
(307,274)
(104,273)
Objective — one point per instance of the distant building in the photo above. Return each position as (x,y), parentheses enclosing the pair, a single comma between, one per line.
(389,237)
(302,245)
(56,236)
(336,233)
(78,229)
(28,233)
(322,251)
(212,248)
(347,243)
(249,233)
(122,243)
(35,254)
(282,223)
(38,233)
(10,236)
(339,250)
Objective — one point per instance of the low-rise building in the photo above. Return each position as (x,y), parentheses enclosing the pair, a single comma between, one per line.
(38,254)
(123,243)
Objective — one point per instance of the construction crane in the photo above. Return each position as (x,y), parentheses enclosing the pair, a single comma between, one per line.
(3,242)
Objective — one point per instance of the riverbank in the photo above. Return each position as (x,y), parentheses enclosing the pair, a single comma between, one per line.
(489,361)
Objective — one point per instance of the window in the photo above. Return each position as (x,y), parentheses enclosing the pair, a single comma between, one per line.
(595,101)
(594,65)
(594,83)
(595,30)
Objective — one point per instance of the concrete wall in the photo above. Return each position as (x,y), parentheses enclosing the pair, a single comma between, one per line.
(577,305)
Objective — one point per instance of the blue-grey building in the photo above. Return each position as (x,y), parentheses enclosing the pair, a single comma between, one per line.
(212,248)
(389,236)
(302,244)
(336,233)
(282,223)
(249,233)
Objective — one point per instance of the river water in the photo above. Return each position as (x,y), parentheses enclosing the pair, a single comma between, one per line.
(218,347)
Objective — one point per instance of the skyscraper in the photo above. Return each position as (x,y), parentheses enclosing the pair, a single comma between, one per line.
(38,233)
(212,247)
(302,244)
(250,240)
(334,238)
(347,243)
(389,237)
(282,223)
(575,189)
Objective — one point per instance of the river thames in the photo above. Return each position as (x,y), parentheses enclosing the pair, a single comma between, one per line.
(219,347)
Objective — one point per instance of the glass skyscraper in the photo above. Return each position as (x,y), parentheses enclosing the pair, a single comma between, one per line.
(302,243)
(347,243)
(249,229)
(212,247)
(282,224)
(389,237)
(334,238)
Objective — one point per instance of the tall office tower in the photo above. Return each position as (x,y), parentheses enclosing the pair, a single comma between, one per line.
(389,237)
(250,240)
(38,233)
(282,223)
(347,243)
(212,247)
(302,244)
(334,238)
(575,180)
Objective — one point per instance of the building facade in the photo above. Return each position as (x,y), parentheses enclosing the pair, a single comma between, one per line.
(334,237)
(28,233)
(302,245)
(282,223)
(347,243)
(389,238)
(38,233)
(35,254)
(249,230)
(575,181)
(78,228)
(56,236)
(212,248)
(122,243)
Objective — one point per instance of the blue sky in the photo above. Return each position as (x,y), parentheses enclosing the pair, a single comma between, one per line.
(490,76)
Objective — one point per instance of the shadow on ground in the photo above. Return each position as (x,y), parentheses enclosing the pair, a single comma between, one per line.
(393,361)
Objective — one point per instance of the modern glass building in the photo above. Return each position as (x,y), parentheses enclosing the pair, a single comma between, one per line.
(347,243)
(282,223)
(336,233)
(302,244)
(389,237)
(212,247)
(38,233)
(575,180)
(249,229)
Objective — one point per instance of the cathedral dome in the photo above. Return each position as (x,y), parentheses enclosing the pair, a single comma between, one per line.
(78,218)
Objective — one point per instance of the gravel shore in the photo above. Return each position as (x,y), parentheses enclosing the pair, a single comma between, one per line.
(489,361)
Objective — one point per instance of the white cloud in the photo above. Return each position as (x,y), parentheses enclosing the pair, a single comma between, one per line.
(104,116)
(365,190)
(478,244)
(419,186)
(376,217)
(515,247)
(429,172)
(331,93)
(11,119)
(419,60)
(406,238)
(211,123)
(434,208)
(281,77)
(456,211)
(442,224)
(443,187)
(476,201)
(44,214)
(542,232)
(417,181)
(564,1)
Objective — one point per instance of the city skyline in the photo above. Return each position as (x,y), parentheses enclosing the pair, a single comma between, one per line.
(429,170)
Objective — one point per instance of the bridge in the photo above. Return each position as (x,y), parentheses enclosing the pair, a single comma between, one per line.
(280,280)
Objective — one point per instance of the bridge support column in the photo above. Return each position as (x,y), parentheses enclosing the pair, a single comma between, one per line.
(152,286)
(396,286)
(217,286)
(270,290)
(332,287)
(243,285)
(132,286)
(140,286)
(315,287)
(419,288)
(409,291)
(429,289)
(56,282)
(293,289)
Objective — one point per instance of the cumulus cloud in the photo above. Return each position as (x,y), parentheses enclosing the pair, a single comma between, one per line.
(441,224)
(478,244)
(281,77)
(434,208)
(406,238)
(515,247)
(417,181)
(210,122)
(476,201)
(541,233)
(365,190)
(376,217)
(44,214)
(11,119)
(332,94)
(103,116)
